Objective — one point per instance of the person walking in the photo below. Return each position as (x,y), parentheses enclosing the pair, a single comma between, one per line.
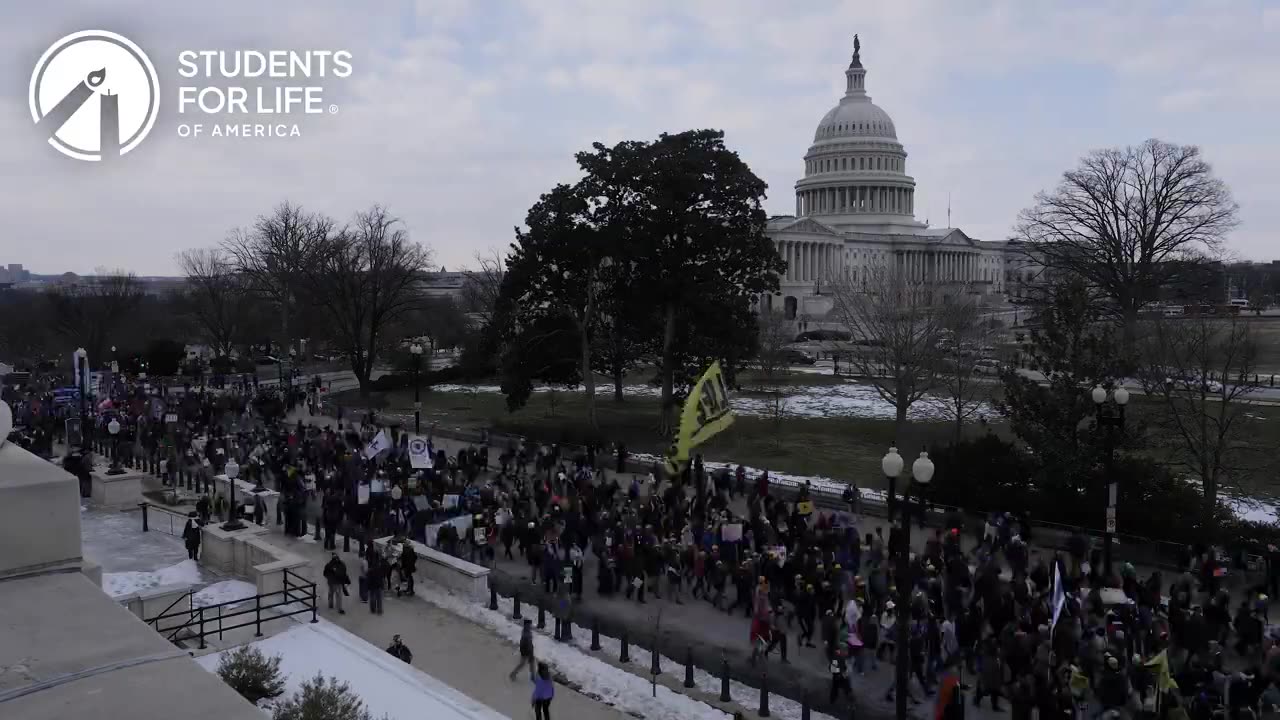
(191,537)
(376,581)
(526,652)
(408,566)
(335,573)
(543,692)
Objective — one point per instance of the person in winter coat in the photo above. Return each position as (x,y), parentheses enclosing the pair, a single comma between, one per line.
(331,514)
(377,579)
(544,689)
(526,652)
(839,677)
(335,574)
(191,537)
(408,566)
(990,675)
(399,650)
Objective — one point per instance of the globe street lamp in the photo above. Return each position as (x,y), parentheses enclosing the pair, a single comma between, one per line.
(416,351)
(233,515)
(922,472)
(1110,417)
(113,427)
(891,465)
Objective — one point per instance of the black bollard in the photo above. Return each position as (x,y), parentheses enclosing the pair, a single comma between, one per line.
(145,528)
(346,540)
(724,680)
(595,635)
(567,629)
(557,634)
(515,614)
(654,667)
(317,535)
(542,616)
(626,649)
(804,707)
(764,695)
(688,668)
(493,598)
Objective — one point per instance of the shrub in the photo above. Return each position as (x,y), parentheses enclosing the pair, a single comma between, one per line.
(988,474)
(322,699)
(252,674)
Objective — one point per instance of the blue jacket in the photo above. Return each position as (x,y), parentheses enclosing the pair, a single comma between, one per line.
(543,688)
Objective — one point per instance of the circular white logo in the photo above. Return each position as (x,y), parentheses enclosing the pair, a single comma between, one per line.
(95,95)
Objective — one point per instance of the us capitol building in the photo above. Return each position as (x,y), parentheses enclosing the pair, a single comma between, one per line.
(855,209)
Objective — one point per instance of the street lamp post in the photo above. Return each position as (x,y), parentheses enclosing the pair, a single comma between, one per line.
(922,472)
(293,358)
(1110,417)
(416,351)
(231,470)
(113,427)
(82,378)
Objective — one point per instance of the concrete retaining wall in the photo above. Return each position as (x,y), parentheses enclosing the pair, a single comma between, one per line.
(451,572)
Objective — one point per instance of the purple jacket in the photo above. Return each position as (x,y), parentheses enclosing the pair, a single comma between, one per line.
(543,688)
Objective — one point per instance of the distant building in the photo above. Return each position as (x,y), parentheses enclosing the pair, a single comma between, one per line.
(13,274)
(855,210)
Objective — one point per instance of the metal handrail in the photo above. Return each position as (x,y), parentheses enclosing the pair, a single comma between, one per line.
(190,594)
(196,616)
(170,514)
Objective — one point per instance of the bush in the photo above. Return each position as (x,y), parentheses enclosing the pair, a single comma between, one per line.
(252,674)
(391,381)
(322,699)
(988,474)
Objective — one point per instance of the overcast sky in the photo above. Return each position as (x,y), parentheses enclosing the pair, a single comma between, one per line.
(459,114)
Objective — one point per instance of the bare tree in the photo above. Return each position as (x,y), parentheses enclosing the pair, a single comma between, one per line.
(90,312)
(964,335)
(366,279)
(276,255)
(774,332)
(483,285)
(1129,221)
(1201,371)
(215,296)
(896,328)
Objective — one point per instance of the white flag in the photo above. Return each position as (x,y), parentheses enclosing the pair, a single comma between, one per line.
(419,454)
(379,443)
(1059,594)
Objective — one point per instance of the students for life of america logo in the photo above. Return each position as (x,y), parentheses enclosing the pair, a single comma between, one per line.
(94,95)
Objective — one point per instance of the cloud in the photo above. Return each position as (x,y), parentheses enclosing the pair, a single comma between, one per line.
(460,114)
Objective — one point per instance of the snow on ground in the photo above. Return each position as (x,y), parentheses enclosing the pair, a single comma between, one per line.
(120,584)
(599,679)
(807,401)
(225,591)
(114,540)
(386,685)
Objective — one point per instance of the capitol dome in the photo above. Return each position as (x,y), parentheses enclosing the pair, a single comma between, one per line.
(855,172)
(856,116)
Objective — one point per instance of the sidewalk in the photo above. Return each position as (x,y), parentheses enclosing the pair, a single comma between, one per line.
(461,654)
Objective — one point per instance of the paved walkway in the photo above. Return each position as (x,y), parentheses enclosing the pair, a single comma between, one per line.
(462,654)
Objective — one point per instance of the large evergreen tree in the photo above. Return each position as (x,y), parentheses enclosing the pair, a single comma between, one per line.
(698,239)
(1074,349)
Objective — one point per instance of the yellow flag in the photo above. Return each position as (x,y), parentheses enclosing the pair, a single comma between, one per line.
(706,412)
(1160,664)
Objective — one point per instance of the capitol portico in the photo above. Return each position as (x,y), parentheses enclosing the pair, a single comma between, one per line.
(855,209)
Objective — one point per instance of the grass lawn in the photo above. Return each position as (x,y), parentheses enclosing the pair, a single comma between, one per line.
(840,448)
